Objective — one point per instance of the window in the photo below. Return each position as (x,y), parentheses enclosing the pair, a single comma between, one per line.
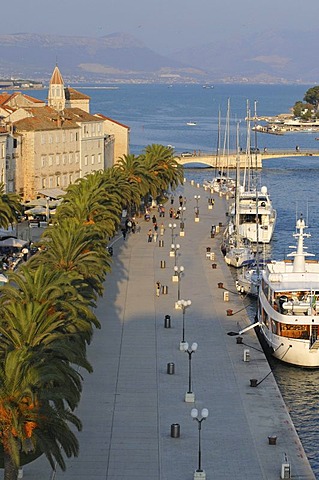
(71,137)
(92,159)
(63,137)
(64,159)
(70,157)
(50,160)
(42,161)
(57,159)
(76,157)
(77,136)
(99,158)
(42,139)
(86,160)
(50,139)
(43,182)
(3,150)
(58,181)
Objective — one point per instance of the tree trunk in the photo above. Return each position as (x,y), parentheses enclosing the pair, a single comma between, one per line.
(10,468)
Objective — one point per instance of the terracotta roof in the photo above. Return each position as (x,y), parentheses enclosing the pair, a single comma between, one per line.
(6,98)
(103,117)
(72,94)
(79,115)
(56,78)
(44,118)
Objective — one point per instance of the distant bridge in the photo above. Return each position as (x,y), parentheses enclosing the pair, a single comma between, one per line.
(229,161)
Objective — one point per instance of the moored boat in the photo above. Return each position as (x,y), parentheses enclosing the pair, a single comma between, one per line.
(288,306)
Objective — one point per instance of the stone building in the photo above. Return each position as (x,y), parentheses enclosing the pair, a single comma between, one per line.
(50,146)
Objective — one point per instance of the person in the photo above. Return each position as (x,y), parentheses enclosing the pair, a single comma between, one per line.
(162,230)
(297,148)
(133,229)
(154,219)
(25,253)
(124,232)
(155,227)
(150,235)
(172,199)
(181,199)
(158,288)
(155,235)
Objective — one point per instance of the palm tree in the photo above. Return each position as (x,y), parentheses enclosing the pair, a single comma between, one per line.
(90,203)
(10,207)
(76,249)
(161,162)
(51,289)
(29,419)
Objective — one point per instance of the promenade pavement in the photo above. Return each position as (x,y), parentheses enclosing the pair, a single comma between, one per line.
(130,401)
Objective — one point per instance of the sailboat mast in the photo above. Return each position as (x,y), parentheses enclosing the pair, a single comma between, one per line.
(237,185)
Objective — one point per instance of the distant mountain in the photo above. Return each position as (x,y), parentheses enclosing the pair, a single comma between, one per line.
(269,56)
(109,58)
(266,57)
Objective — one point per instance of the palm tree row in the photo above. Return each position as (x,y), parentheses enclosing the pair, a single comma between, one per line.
(46,308)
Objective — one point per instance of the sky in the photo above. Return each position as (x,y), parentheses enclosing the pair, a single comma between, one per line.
(162,25)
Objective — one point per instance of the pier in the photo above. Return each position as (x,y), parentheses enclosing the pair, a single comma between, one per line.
(136,414)
(229,161)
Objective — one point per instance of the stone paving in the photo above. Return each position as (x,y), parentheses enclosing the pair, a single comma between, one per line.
(130,402)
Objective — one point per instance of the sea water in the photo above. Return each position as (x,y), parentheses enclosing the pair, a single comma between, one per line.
(160,113)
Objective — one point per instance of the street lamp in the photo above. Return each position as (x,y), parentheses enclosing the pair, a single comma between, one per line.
(190,396)
(181,225)
(210,199)
(197,197)
(199,473)
(178,272)
(183,304)
(172,226)
(174,252)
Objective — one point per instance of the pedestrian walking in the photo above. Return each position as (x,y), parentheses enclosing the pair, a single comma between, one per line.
(124,232)
(149,235)
(162,230)
(158,288)
(155,235)
(154,220)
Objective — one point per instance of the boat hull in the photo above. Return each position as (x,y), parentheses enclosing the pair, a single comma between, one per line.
(289,350)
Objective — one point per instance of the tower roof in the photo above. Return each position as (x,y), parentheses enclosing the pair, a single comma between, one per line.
(56,78)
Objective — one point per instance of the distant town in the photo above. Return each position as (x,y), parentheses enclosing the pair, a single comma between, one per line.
(20,84)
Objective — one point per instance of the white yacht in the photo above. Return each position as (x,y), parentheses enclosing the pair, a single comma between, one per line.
(288,305)
(253,205)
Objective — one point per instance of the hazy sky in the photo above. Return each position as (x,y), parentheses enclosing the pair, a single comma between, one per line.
(162,25)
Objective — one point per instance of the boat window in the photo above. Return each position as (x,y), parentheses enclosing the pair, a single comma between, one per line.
(294,331)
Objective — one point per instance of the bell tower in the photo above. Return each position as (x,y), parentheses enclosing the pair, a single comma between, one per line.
(56,97)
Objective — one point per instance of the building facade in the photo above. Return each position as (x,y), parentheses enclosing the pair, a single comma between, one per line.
(51,146)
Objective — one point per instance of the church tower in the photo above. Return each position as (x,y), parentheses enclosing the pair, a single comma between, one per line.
(56,97)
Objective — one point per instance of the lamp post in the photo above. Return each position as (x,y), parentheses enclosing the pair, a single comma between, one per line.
(210,199)
(199,473)
(178,272)
(183,304)
(174,252)
(181,225)
(197,197)
(172,226)
(189,395)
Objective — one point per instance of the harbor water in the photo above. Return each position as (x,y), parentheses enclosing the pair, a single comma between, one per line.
(160,114)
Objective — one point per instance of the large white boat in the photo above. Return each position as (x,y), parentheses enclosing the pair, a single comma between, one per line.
(288,305)
(253,205)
